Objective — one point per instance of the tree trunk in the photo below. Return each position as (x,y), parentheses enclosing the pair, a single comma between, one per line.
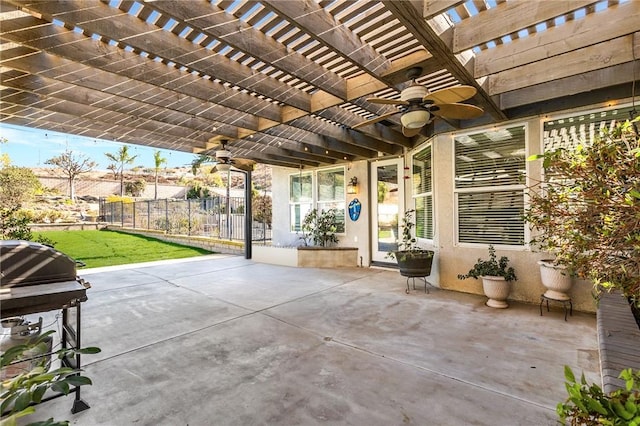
(72,190)
(122,183)
(155,195)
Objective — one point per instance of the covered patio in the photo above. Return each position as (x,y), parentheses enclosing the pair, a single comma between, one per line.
(203,342)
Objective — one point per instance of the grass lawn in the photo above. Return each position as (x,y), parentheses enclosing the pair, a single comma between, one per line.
(107,248)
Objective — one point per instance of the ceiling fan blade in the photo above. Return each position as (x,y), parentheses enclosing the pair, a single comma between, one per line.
(457,111)
(387,101)
(410,132)
(451,95)
(375,120)
(243,164)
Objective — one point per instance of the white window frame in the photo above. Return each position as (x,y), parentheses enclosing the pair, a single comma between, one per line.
(292,225)
(489,189)
(315,203)
(415,196)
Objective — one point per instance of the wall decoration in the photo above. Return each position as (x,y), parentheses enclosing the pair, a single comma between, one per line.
(354,209)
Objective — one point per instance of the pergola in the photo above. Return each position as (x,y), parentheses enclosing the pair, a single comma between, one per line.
(286,80)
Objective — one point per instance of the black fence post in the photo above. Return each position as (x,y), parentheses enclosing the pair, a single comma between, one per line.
(134,214)
(166,214)
(248,219)
(189,216)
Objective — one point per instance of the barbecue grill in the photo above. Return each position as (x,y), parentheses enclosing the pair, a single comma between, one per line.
(37,278)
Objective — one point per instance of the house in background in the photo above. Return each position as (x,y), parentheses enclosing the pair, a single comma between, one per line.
(287,83)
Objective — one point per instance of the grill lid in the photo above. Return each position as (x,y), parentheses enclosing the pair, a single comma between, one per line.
(24,263)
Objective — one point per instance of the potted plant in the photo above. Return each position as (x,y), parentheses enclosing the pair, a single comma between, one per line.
(320,227)
(586,210)
(496,278)
(556,279)
(413,261)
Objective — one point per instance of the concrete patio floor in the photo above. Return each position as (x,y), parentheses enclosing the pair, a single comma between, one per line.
(221,340)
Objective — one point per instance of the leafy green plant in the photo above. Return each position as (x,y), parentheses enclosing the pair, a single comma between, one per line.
(320,227)
(492,267)
(589,405)
(19,393)
(14,226)
(409,243)
(586,210)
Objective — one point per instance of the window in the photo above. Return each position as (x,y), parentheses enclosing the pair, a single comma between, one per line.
(423,193)
(329,189)
(300,198)
(569,132)
(489,186)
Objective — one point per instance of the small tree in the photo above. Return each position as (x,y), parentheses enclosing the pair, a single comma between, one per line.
(320,227)
(72,166)
(5,161)
(135,188)
(114,170)
(17,185)
(588,210)
(262,209)
(121,159)
(158,161)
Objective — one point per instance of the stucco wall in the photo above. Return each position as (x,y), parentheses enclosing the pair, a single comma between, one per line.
(451,258)
(357,233)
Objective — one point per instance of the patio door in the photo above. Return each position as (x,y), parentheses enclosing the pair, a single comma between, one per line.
(387,201)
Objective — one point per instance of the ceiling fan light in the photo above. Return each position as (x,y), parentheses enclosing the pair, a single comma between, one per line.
(223,153)
(415,119)
(223,167)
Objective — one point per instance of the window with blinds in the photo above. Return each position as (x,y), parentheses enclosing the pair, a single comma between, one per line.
(423,193)
(490,170)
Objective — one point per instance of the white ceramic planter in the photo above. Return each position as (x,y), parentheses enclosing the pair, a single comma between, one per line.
(555,279)
(497,289)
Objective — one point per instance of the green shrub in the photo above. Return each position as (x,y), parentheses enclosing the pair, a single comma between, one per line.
(589,405)
(320,227)
(13,226)
(18,393)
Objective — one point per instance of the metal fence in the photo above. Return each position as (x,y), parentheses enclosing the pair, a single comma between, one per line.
(216,217)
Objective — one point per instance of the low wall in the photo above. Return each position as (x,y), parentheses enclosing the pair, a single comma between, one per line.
(306,257)
(75,226)
(211,244)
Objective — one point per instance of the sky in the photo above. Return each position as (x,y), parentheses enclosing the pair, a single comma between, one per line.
(32,147)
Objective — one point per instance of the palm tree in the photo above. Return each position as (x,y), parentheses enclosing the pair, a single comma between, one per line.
(159,161)
(121,158)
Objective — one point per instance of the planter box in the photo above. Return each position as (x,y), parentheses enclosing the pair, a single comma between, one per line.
(307,257)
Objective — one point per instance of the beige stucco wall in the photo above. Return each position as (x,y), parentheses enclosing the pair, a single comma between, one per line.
(357,234)
(451,258)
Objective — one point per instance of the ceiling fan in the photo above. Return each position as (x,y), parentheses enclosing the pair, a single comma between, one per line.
(419,106)
(224,160)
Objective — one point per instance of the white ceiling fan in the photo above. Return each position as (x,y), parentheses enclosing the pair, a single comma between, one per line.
(420,107)
(225,160)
